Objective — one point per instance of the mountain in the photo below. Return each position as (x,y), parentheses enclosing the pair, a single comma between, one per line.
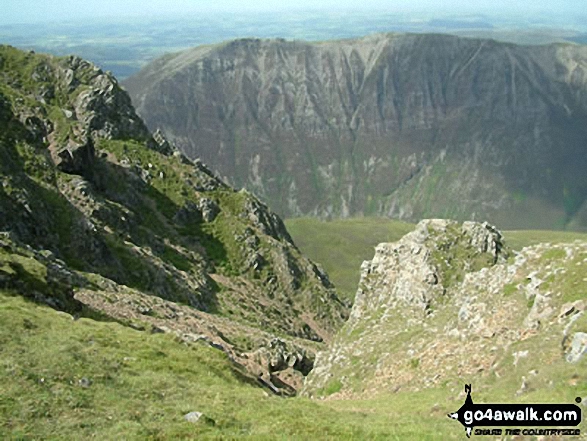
(450,304)
(100,217)
(142,297)
(400,125)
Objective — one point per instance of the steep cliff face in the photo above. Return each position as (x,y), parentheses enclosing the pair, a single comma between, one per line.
(448,304)
(408,126)
(97,213)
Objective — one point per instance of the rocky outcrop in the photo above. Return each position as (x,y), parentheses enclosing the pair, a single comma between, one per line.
(450,302)
(38,275)
(405,126)
(82,179)
(75,158)
(101,107)
(420,268)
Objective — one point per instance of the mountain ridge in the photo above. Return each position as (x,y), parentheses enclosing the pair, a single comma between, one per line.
(100,217)
(400,125)
(175,297)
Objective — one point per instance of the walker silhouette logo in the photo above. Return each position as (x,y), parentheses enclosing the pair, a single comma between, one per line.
(472,415)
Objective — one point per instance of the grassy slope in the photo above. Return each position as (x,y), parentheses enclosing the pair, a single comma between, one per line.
(142,385)
(342,245)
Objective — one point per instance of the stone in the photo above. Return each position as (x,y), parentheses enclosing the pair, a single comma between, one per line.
(161,144)
(193,417)
(578,347)
(74,157)
(85,382)
(519,355)
(208,208)
(198,417)
(571,308)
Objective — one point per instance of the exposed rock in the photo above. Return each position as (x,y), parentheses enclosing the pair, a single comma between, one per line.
(161,143)
(85,382)
(408,271)
(578,347)
(268,222)
(280,355)
(485,313)
(284,365)
(572,308)
(162,245)
(195,417)
(208,208)
(38,275)
(75,158)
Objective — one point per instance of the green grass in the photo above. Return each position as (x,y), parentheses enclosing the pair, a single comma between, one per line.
(341,245)
(333,387)
(518,239)
(84,379)
(509,289)
(65,379)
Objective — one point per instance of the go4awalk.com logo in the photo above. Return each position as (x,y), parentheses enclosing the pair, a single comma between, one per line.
(473,415)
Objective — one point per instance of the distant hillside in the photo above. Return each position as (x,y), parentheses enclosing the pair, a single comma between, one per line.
(407,126)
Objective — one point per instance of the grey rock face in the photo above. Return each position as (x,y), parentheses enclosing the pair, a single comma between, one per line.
(151,220)
(209,209)
(449,301)
(414,270)
(161,143)
(105,110)
(267,221)
(280,355)
(408,126)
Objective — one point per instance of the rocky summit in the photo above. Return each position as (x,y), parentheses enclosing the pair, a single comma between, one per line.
(400,125)
(451,303)
(99,215)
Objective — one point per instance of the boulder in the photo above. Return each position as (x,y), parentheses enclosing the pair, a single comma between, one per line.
(209,209)
(198,417)
(578,347)
(75,157)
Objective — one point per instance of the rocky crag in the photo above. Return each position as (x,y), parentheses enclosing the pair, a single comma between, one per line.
(405,126)
(101,218)
(450,303)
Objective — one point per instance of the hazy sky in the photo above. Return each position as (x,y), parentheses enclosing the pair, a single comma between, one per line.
(23,11)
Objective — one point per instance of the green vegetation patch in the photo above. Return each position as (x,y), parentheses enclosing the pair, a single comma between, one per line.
(342,245)
(523,238)
(453,258)
(81,379)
